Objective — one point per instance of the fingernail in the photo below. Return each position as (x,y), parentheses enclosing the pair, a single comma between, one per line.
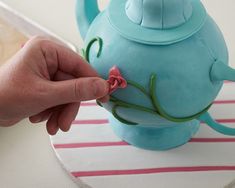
(104,99)
(36,120)
(100,88)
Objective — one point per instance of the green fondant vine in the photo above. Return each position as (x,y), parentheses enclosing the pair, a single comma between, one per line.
(86,52)
(151,94)
(161,111)
(115,114)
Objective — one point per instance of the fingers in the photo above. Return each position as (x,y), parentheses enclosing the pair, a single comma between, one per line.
(71,63)
(75,90)
(104,99)
(52,123)
(59,57)
(61,76)
(64,78)
(43,116)
(62,119)
(67,116)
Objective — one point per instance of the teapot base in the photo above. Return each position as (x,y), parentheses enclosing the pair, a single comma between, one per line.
(155,138)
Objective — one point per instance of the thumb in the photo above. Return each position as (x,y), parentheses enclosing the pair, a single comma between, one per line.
(76,90)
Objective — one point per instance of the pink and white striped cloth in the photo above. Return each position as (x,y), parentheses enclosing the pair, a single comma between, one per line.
(93,154)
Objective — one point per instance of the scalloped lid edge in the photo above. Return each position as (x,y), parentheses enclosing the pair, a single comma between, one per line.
(125,27)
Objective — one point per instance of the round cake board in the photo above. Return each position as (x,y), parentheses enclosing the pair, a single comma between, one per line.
(95,157)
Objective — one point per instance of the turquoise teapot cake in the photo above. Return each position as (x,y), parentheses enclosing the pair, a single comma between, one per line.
(165,60)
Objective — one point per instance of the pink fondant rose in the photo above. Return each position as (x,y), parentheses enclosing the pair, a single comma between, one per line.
(116,80)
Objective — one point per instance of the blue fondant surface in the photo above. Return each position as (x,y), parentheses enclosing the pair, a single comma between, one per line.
(152,138)
(181,57)
(183,83)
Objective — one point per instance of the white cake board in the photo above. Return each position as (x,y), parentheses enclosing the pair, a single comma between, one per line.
(97,158)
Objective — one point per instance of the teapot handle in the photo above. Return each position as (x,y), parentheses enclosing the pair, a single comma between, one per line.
(86,11)
(206,118)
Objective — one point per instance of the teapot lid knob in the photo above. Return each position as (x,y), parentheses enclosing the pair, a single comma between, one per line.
(159,14)
(157,22)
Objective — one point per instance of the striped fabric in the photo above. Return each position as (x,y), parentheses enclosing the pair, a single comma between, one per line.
(93,154)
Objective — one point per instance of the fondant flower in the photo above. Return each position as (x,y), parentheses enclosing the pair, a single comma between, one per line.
(116,80)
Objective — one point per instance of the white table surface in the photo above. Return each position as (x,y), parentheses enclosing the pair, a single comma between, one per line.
(26,157)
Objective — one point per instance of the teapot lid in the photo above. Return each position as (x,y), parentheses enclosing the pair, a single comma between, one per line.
(157,22)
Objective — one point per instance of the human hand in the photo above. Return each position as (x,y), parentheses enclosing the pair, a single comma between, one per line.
(47,81)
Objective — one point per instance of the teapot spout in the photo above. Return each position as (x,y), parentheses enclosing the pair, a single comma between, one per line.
(220,72)
(86,11)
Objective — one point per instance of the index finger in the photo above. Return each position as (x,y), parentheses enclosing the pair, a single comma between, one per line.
(68,61)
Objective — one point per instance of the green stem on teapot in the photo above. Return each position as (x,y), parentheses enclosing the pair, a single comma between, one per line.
(89,45)
(123,104)
(138,86)
(130,105)
(119,118)
(160,110)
